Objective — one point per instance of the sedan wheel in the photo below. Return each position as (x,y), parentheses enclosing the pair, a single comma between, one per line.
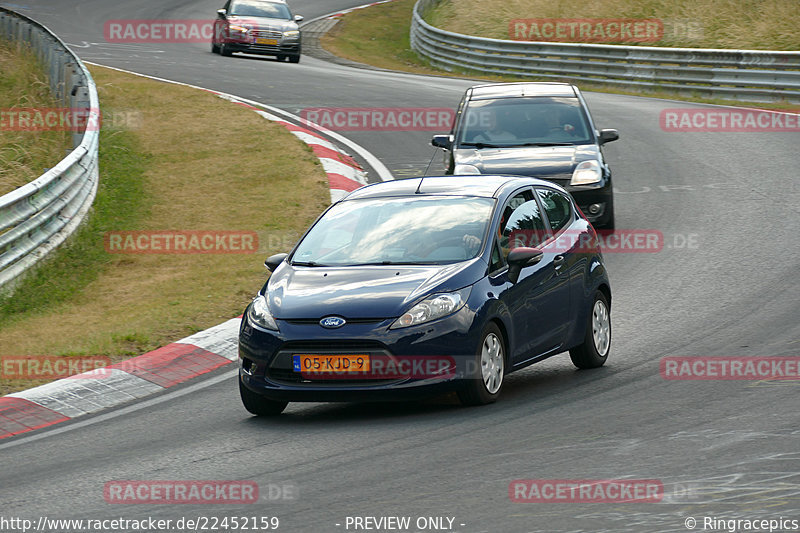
(485,388)
(597,340)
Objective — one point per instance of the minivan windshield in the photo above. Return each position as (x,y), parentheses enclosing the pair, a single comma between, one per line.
(392,231)
(523,121)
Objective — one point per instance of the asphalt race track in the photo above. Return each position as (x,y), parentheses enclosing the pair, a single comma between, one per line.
(725,284)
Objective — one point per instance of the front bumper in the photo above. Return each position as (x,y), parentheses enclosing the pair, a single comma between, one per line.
(586,197)
(266,358)
(283,48)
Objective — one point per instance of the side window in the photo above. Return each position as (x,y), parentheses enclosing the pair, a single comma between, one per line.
(522,223)
(557,207)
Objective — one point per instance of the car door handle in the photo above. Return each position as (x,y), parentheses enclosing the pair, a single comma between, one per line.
(558,261)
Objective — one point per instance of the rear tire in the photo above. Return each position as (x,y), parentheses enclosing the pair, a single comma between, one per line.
(258,405)
(593,352)
(490,359)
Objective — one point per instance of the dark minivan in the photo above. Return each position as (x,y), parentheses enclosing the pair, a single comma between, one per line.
(538,129)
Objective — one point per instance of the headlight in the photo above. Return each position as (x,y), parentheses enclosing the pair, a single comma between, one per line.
(259,314)
(466,169)
(293,34)
(433,307)
(237,29)
(587,173)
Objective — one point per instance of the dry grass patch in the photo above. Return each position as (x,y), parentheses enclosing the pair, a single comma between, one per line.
(737,24)
(24,155)
(203,164)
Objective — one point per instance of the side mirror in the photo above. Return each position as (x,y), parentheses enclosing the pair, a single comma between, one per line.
(441,141)
(221,13)
(520,258)
(606,136)
(274,261)
(298,18)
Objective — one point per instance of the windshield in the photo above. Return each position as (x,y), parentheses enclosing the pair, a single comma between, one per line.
(532,121)
(426,230)
(244,8)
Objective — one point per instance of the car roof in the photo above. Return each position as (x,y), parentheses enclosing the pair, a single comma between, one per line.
(511,90)
(484,186)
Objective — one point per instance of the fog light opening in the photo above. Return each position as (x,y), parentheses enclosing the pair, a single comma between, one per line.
(595,209)
(248,366)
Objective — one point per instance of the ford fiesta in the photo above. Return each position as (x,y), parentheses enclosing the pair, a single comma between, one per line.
(426,285)
(537,129)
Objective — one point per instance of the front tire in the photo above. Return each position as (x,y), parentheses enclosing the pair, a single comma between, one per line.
(593,352)
(486,387)
(258,405)
(294,59)
(214,48)
(225,50)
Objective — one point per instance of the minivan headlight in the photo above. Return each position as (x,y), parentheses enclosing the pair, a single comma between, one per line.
(259,314)
(433,307)
(587,173)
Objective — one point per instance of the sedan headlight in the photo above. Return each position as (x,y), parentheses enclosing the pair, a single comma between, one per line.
(587,173)
(432,308)
(292,34)
(259,314)
(465,169)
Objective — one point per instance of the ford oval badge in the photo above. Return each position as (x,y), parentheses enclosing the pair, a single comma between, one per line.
(332,322)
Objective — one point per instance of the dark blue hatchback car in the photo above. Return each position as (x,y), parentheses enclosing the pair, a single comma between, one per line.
(425,285)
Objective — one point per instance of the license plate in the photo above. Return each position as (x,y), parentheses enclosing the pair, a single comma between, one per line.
(262,40)
(313,363)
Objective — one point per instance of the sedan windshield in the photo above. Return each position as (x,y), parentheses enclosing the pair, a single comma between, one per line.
(391,231)
(532,121)
(254,8)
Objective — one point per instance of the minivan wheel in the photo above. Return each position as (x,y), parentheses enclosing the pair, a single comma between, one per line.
(593,352)
(258,405)
(486,386)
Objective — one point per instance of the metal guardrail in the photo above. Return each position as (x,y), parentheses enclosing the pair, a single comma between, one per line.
(37,217)
(753,75)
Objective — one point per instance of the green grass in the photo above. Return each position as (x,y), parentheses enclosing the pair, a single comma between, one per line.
(24,155)
(736,24)
(379,36)
(120,204)
(179,168)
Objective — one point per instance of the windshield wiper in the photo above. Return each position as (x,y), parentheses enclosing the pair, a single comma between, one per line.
(307,264)
(543,144)
(484,145)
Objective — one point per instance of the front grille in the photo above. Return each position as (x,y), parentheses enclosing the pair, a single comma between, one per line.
(266,34)
(312,321)
(332,346)
(281,368)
